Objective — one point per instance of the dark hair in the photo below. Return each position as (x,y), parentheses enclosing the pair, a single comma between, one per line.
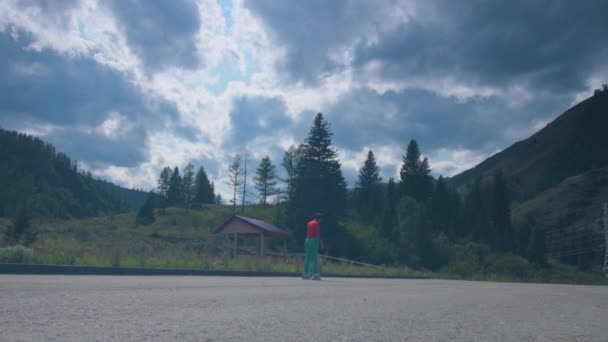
(318,215)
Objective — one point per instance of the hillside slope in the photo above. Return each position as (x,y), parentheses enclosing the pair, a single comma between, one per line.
(34,174)
(572,144)
(577,201)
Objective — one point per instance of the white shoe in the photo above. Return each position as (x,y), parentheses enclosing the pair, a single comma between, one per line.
(316,277)
(306,276)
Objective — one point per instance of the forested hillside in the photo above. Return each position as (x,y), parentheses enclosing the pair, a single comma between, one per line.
(557,180)
(48,183)
(572,144)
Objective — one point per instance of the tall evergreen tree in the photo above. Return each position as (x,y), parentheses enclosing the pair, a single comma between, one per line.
(21,229)
(388,224)
(475,219)
(174,193)
(319,186)
(145,214)
(535,248)
(367,190)
(290,163)
(235,174)
(415,174)
(203,189)
(503,238)
(188,185)
(265,180)
(442,208)
(415,247)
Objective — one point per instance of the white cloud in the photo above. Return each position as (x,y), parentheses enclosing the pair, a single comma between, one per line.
(450,162)
(115,125)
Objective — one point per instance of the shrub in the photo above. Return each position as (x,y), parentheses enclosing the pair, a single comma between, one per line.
(510,265)
(16,254)
(466,259)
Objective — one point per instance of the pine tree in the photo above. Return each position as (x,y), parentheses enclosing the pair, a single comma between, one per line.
(415,174)
(503,238)
(175,194)
(415,248)
(264,180)
(367,190)
(21,229)
(536,247)
(442,208)
(145,214)
(388,224)
(319,187)
(163,187)
(235,178)
(290,163)
(203,189)
(475,220)
(188,185)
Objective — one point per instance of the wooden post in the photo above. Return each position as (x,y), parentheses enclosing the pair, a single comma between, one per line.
(234,256)
(605,219)
(262,244)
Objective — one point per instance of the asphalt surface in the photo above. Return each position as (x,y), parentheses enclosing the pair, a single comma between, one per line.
(152,308)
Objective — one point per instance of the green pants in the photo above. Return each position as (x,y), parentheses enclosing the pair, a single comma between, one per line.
(311,246)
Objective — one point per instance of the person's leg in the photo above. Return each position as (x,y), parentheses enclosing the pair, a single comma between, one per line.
(307,258)
(315,256)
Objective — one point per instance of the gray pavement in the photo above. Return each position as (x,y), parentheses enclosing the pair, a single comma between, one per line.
(121,308)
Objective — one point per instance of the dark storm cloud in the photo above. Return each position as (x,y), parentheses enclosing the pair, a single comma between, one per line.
(546,49)
(548,44)
(253,117)
(43,88)
(312,30)
(365,118)
(161,33)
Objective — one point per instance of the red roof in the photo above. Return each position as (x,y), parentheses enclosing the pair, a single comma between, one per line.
(257,228)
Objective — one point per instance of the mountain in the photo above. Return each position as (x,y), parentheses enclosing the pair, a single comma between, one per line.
(572,144)
(576,200)
(34,174)
(558,180)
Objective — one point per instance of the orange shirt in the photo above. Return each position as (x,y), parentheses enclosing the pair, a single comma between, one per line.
(313,229)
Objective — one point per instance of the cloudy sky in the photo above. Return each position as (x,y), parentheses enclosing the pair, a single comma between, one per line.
(126,87)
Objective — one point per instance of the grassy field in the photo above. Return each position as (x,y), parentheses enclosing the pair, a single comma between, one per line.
(184,239)
(177,239)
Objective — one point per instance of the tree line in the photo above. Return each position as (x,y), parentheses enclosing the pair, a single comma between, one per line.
(174,189)
(414,220)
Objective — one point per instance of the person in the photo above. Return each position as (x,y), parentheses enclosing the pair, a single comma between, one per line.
(311,246)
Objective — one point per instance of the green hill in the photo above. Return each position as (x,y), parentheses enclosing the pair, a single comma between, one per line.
(572,144)
(34,174)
